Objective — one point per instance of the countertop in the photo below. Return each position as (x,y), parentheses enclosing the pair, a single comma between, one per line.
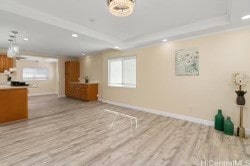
(6,87)
(91,83)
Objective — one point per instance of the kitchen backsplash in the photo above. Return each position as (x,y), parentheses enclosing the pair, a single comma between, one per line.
(2,78)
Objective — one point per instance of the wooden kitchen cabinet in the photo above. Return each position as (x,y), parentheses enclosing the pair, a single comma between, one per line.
(14,104)
(84,91)
(5,63)
(72,74)
(75,89)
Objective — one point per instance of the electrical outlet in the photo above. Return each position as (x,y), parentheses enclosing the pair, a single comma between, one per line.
(189,109)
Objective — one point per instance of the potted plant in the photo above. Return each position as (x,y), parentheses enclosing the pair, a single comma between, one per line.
(240,81)
(86,78)
(9,73)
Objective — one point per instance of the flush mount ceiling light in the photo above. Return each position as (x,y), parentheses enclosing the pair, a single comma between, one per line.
(245,17)
(26,39)
(164,40)
(121,8)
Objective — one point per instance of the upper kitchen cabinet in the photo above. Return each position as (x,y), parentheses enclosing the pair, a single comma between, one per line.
(72,74)
(5,63)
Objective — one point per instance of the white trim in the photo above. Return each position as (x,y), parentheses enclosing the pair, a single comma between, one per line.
(221,22)
(42,94)
(194,36)
(158,112)
(22,10)
(182,30)
(167,114)
(61,95)
(121,86)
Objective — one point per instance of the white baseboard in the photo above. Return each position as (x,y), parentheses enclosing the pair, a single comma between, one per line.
(42,94)
(158,112)
(61,95)
(167,114)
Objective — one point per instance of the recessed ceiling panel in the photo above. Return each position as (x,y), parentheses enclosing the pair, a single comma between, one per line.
(44,38)
(150,16)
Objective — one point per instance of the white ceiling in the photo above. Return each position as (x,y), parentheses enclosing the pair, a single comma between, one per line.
(49,23)
(44,38)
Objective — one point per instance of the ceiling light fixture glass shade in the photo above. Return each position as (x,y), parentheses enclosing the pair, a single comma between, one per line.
(13,50)
(121,8)
(10,53)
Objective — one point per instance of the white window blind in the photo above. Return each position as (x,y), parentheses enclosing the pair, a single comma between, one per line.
(35,74)
(122,72)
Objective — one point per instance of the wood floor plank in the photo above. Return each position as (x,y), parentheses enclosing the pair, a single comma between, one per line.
(64,131)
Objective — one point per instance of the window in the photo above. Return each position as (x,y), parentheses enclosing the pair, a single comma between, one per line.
(35,74)
(122,72)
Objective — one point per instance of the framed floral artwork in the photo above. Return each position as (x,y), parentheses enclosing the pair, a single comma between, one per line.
(187,62)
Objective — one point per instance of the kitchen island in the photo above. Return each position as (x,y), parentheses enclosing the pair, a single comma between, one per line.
(13,103)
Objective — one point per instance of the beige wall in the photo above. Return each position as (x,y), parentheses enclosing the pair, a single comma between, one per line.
(44,86)
(61,77)
(198,96)
(91,66)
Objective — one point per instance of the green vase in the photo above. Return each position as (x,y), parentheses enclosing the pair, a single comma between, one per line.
(219,121)
(228,127)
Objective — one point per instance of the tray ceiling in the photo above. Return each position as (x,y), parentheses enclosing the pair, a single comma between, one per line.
(49,24)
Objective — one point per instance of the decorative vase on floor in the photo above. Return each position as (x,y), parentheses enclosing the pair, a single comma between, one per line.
(228,126)
(240,81)
(219,121)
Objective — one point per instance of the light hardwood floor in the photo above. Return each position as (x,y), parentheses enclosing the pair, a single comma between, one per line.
(65,131)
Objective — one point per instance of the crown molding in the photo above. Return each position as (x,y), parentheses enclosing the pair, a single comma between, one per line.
(190,28)
(204,27)
(16,8)
(195,36)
